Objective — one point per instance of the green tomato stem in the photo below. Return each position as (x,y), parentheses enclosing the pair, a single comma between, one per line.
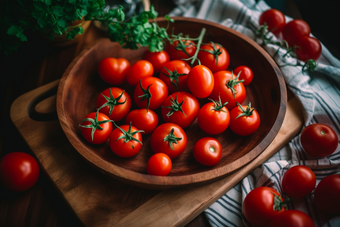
(171,138)
(200,39)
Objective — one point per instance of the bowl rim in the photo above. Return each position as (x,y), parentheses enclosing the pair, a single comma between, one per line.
(165,182)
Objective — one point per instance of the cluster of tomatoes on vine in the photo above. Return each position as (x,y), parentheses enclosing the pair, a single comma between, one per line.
(295,36)
(167,83)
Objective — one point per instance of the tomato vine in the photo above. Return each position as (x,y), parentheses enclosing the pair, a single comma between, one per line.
(262,32)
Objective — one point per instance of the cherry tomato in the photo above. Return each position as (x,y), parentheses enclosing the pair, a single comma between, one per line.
(114,102)
(214,56)
(170,139)
(96,127)
(327,195)
(261,205)
(157,59)
(200,81)
(180,108)
(19,171)
(150,93)
(143,119)
(214,117)
(181,49)
(139,70)
(228,86)
(294,29)
(244,120)
(294,218)
(126,141)
(113,70)
(246,74)
(159,164)
(207,151)
(174,74)
(308,48)
(274,19)
(298,181)
(319,140)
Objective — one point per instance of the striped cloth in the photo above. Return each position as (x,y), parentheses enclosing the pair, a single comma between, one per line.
(319,94)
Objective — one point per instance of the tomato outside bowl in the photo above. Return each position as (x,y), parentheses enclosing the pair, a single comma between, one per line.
(81,84)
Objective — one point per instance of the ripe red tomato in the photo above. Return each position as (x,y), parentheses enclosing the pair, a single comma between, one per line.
(294,29)
(327,195)
(174,74)
(113,70)
(246,74)
(143,119)
(261,205)
(274,19)
(200,81)
(157,59)
(229,88)
(180,108)
(159,164)
(139,70)
(126,141)
(214,56)
(214,117)
(19,171)
(319,140)
(114,103)
(308,48)
(170,139)
(96,127)
(244,120)
(294,218)
(150,93)
(207,151)
(298,181)
(183,49)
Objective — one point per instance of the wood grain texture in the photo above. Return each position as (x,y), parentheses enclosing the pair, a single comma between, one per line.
(99,200)
(81,85)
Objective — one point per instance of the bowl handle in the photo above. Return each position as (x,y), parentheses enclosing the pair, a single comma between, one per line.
(43,106)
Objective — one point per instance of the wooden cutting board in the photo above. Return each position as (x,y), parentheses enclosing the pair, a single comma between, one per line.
(99,200)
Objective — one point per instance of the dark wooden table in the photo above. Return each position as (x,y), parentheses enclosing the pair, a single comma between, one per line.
(37,64)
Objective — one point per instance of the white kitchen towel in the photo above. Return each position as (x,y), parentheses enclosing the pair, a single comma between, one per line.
(319,93)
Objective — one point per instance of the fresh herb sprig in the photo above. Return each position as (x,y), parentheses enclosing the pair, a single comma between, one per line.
(52,17)
(140,31)
(19,17)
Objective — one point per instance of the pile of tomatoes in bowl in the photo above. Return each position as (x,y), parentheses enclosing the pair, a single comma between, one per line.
(143,83)
(166,86)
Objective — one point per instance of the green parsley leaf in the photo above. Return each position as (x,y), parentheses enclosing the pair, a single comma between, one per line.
(17,31)
(73,2)
(72,34)
(153,13)
(62,23)
(57,10)
(48,2)
(39,6)
(169,19)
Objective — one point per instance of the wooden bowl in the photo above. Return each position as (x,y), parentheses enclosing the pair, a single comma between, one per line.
(81,84)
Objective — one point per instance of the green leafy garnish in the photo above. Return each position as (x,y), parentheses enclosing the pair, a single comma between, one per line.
(139,32)
(49,17)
